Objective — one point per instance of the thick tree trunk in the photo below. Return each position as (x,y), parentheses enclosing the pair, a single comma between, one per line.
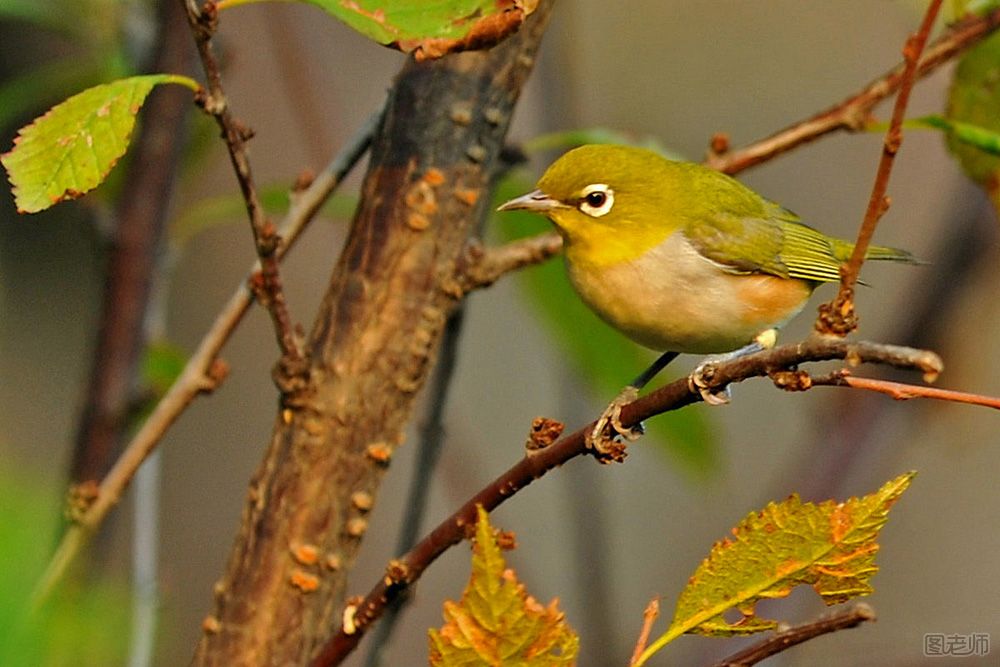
(371,349)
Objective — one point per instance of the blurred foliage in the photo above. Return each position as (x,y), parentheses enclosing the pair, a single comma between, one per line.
(603,357)
(99,34)
(162,362)
(81,627)
(960,8)
(974,101)
(212,212)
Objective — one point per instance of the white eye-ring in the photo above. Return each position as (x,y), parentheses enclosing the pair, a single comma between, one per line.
(597,200)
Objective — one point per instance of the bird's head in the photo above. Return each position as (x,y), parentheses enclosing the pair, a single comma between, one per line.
(610,202)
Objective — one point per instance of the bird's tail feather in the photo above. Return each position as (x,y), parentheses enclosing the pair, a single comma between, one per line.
(843,249)
(879,252)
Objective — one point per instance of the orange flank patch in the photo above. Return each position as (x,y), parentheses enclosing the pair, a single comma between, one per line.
(770,299)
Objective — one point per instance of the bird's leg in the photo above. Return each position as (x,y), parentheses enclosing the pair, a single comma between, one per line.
(699,380)
(609,425)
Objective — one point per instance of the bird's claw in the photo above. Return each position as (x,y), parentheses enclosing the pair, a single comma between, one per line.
(700,382)
(609,436)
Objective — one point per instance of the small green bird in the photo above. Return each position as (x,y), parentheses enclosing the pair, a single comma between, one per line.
(679,257)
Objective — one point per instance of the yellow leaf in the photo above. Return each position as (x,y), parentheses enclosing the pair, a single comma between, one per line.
(830,546)
(497,622)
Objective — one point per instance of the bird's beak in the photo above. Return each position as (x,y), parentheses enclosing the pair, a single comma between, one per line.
(537,202)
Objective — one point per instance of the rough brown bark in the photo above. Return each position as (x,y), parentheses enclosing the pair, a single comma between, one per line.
(370,351)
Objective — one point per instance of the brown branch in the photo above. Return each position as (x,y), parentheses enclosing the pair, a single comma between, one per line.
(779,641)
(670,397)
(484,266)
(266,283)
(202,372)
(902,391)
(838,316)
(649,616)
(853,112)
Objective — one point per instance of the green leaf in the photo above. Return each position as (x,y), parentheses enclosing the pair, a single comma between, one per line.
(605,358)
(830,546)
(70,150)
(426,28)
(497,622)
(974,102)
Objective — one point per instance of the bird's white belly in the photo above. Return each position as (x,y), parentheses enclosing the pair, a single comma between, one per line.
(673,298)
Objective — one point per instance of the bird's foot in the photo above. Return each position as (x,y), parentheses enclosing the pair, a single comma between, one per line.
(609,436)
(701,382)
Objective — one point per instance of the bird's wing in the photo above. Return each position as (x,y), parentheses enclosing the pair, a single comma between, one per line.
(775,243)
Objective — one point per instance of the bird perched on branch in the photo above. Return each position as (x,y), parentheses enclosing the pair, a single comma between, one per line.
(679,257)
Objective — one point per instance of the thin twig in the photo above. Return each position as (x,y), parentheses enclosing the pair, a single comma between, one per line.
(670,397)
(838,316)
(649,617)
(778,642)
(266,283)
(201,373)
(902,391)
(853,112)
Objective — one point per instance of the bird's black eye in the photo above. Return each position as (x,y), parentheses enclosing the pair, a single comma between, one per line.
(596,200)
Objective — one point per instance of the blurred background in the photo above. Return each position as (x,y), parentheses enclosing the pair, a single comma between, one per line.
(603,539)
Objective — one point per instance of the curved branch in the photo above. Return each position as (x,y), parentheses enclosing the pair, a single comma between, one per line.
(902,391)
(533,466)
(779,641)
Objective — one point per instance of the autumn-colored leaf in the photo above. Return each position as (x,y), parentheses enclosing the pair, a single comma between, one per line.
(427,28)
(71,148)
(497,622)
(830,546)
